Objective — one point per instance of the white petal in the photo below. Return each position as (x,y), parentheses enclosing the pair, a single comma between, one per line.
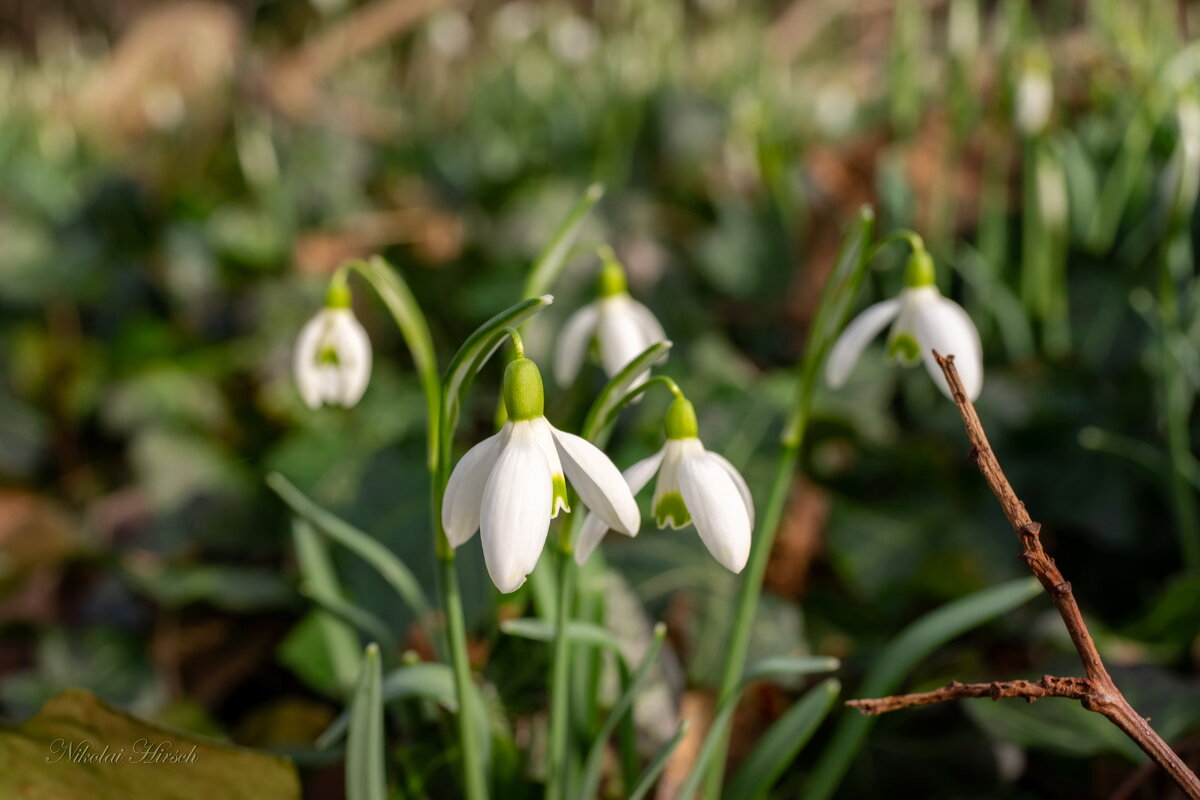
(543,435)
(717,510)
(638,475)
(652,329)
(515,513)
(600,485)
(304,360)
(619,333)
(861,330)
(464,492)
(573,343)
(942,325)
(592,531)
(738,481)
(353,347)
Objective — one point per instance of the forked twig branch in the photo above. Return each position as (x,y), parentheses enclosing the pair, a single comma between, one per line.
(1096,691)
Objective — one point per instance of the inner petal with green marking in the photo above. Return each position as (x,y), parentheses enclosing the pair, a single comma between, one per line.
(671,507)
(559,501)
(904,348)
(328,355)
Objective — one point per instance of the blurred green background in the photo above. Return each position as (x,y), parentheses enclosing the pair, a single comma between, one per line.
(178,180)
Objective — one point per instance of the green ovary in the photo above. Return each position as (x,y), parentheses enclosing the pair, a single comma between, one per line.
(671,507)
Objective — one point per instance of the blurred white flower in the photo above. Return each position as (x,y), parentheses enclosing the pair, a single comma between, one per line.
(621,326)
(573,39)
(515,22)
(694,486)
(1035,98)
(450,33)
(924,321)
(1183,170)
(509,486)
(332,361)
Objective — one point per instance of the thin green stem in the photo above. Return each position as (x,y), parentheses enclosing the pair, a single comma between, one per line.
(456,632)
(748,594)
(558,777)
(836,301)
(456,629)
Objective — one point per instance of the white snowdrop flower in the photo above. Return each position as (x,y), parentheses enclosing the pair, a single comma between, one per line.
(924,321)
(332,361)
(1035,98)
(694,486)
(621,326)
(509,486)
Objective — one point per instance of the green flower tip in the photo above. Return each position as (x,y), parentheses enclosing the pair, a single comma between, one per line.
(919,270)
(523,395)
(338,295)
(681,420)
(612,276)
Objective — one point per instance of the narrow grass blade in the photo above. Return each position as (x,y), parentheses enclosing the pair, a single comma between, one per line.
(837,299)
(316,568)
(780,745)
(655,768)
(553,258)
(780,667)
(366,777)
(393,570)
(913,645)
(426,681)
(590,781)
(543,630)
(409,318)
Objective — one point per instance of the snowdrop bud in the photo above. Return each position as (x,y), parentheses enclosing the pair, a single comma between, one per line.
(523,393)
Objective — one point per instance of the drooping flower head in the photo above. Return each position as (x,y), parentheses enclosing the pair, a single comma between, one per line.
(924,321)
(332,361)
(509,486)
(695,486)
(621,326)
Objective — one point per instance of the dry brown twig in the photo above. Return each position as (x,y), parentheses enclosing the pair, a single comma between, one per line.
(1096,691)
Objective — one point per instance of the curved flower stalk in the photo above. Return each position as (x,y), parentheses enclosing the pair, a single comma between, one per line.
(924,321)
(695,486)
(332,361)
(509,486)
(621,326)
